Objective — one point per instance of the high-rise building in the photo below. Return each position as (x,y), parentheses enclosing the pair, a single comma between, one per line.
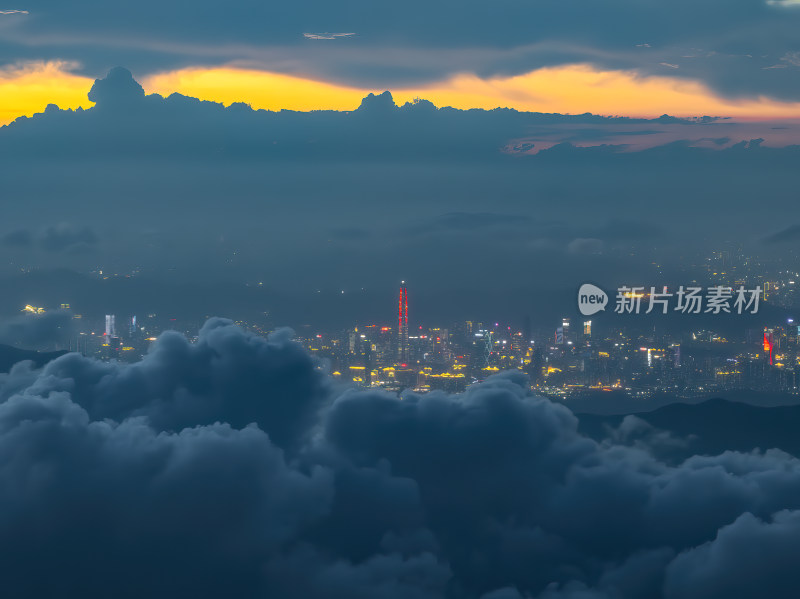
(527,329)
(769,343)
(482,349)
(111,328)
(111,342)
(402,325)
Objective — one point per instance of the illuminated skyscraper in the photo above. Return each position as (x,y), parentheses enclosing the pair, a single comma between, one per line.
(482,349)
(111,342)
(769,343)
(402,325)
(111,328)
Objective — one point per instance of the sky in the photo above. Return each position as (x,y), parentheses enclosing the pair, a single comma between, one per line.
(253,142)
(190,191)
(712,57)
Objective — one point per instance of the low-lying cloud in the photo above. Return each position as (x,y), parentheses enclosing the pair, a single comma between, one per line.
(235,466)
(63,237)
(35,330)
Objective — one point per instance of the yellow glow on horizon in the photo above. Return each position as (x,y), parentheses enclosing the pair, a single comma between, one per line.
(577,89)
(260,89)
(29,88)
(571,89)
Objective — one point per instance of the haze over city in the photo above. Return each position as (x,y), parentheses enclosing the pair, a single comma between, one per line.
(427,300)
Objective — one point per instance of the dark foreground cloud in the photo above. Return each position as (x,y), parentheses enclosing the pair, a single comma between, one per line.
(234,467)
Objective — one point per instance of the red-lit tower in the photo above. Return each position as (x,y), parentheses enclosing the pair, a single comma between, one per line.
(402,325)
(768,344)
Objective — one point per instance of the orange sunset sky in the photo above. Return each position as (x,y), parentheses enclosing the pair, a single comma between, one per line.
(573,89)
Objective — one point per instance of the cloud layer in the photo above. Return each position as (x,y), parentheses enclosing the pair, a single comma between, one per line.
(740,48)
(63,237)
(233,466)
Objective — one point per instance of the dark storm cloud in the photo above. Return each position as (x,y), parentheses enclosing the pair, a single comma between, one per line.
(117,91)
(727,567)
(278,384)
(741,47)
(125,122)
(234,467)
(181,126)
(120,505)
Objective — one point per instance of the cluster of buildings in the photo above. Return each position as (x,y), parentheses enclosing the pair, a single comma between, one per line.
(573,359)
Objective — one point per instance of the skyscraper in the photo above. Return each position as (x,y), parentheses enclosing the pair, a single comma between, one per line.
(111,328)
(111,341)
(482,349)
(402,325)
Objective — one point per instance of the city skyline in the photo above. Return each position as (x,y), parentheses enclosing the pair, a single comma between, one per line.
(579,359)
